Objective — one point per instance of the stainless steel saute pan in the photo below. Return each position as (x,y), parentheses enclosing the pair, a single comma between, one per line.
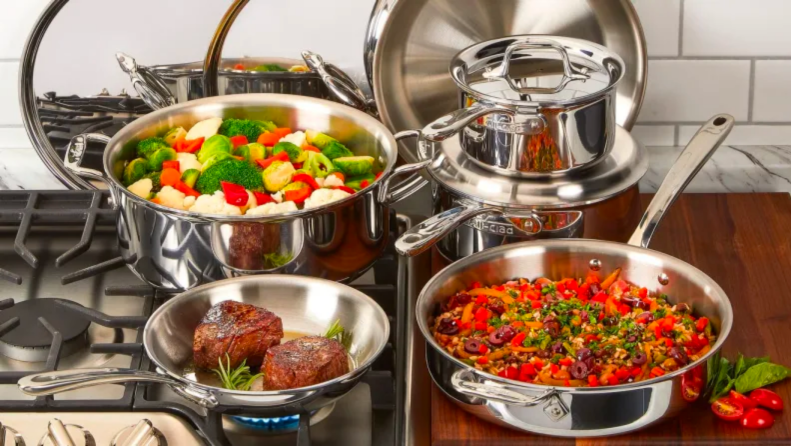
(583,411)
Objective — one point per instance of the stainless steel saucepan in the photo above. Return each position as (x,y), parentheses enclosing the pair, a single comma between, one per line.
(305,305)
(583,411)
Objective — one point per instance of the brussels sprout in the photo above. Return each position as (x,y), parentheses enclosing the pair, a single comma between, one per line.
(148,146)
(190,176)
(174,135)
(155,181)
(354,182)
(215,144)
(251,152)
(335,149)
(160,156)
(296,154)
(277,175)
(268,67)
(297,185)
(320,165)
(134,171)
(354,165)
(214,159)
(317,139)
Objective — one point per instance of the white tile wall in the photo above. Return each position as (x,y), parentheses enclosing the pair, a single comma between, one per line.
(660,20)
(746,135)
(654,135)
(772,92)
(9,102)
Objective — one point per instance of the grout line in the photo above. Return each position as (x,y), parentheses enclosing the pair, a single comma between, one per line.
(658,123)
(681,23)
(751,84)
(735,58)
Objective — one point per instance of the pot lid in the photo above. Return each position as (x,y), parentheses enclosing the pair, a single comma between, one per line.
(536,71)
(624,167)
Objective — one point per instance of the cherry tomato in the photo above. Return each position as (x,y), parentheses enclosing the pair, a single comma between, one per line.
(757,419)
(766,398)
(727,409)
(691,389)
(746,402)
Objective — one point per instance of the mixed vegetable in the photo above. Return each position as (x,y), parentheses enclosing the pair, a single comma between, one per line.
(242,166)
(572,332)
(272,67)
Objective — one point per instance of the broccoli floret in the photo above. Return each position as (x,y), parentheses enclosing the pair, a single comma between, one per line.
(190,176)
(335,149)
(296,154)
(319,165)
(175,134)
(251,152)
(155,180)
(213,145)
(277,175)
(160,156)
(268,67)
(354,182)
(148,146)
(251,129)
(317,139)
(231,170)
(134,171)
(354,165)
(219,156)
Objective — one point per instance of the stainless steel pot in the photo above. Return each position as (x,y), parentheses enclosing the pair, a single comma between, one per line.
(534,106)
(305,305)
(177,250)
(584,411)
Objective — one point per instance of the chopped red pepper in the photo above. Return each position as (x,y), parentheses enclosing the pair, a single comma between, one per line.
(297,196)
(308,148)
(192,145)
(282,131)
(281,156)
(592,381)
(502,373)
(567,383)
(566,361)
(538,363)
(642,293)
(658,332)
(624,309)
(481,299)
(554,368)
(622,373)
(268,139)
(590,338)
(517,340)
(364,184)
(536,304)
(186,190)
(235,194)
(668,323)
(635,371)
(480,326)
(527,369)
(346,189)
(701,324)
(483,349)
(511,372)
(262,198)
(613,380)
(377,176)
(668,342)
(482,360)
(297,166)
(239,140)
(601,316)
(481,315)
(560,287)
(170,164)
(178,145)
(600,297)
(305,178)
(657,371)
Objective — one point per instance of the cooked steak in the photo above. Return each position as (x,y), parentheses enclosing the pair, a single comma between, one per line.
(243,331)
(304,362)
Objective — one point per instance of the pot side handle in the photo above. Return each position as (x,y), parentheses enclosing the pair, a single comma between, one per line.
(449,125)
(424,235)
(391,194)
(149,85)
(690,161)
(463,383)
(73,158)
(340,84)
(50,383)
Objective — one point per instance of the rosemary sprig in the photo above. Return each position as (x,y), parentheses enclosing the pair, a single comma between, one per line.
(235,379)
(276,259)
(339,333)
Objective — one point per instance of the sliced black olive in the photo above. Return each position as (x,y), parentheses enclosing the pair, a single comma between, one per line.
(552,328)
(579,370)
(501,335)
(558,347)
(447,326)
(584,353)
(683,308)
(497,309)
(631,338)
(599,353)
(639,358)
(589,362)
(544,353)
(629,300)
(679,355)
(495,339)
(472,346)
(647,316)
(463,298)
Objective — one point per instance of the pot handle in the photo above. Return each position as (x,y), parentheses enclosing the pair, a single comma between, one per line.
(449,125)
(149,86)
(50,383)
(462,381)
(391,194)
(690,161)
(340,84)
(73,158)
(424,235)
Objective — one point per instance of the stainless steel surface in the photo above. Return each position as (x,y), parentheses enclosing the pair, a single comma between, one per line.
(141,434)
(340,84)
(538,106)
(307,305)
(476,210)
(10,436)
(60,434)
(409,45)
(515,404)
(104,427)
(151,88)
(177,250)
(215,50)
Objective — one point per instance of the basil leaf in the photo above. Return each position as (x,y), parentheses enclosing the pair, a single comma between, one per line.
(723,382)
(750,362)
(739,365)
(761,375)
(713,363)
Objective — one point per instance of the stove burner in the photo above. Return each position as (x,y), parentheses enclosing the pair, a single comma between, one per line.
(30,340)
(272,426)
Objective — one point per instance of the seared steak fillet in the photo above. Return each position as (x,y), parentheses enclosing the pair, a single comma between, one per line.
(243,331)
(304,362)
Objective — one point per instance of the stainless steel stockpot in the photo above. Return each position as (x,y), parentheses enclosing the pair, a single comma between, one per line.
(534,106)
(584,411)
(176,250)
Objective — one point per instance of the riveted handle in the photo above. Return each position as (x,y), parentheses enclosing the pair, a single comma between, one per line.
(340,84)
(464,382)
(391,194)
(150,87)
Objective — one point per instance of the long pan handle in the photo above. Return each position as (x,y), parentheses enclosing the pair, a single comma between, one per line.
(690,161)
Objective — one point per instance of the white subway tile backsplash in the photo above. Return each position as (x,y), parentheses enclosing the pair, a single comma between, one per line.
(16,21)
(9,101)
(694,90)
(14,138)
(776,135)
(660,21)
(772,91)
(654,135)
(736,28)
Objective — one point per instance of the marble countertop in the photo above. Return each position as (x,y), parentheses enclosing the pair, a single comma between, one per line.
(731,169)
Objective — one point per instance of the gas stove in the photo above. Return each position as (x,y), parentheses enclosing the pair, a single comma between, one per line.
(68,301)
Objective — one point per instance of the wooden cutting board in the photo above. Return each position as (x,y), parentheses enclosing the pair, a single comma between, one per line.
(742,241)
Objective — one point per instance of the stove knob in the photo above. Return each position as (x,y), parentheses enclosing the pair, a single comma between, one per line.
(142,434)
(59,434)
(7,435)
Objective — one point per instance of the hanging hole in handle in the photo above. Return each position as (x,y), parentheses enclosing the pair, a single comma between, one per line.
(719,121)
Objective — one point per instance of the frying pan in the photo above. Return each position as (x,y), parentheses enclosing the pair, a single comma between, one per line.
(305,305)
(584,411)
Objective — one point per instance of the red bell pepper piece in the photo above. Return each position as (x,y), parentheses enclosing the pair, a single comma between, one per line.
(511,372)
(239,140)
(186,190)
(282,131)
(554,368)
(538,363)
(481,315)
(178,145)
(536,304)
(307,179)
(482,360)
(192,145)
(592,381)
(281,156)
(377,176)
(346,189)
(308,148)
(268,139)
(483,349)
(480,326)
(527,369)
(481,299)
(297,196)
(235,194)
(262,198)
(517,340)
(239,66)
(364,184)
(701,324)
(642,293)
(171,165)
(566,361)
(613,380)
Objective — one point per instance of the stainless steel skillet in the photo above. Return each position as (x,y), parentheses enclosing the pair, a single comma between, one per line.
(584,411)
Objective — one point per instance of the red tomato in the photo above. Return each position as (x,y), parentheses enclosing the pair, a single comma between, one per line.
(746,402)
(727,409)
(766,398)
(691,385)
(757,419)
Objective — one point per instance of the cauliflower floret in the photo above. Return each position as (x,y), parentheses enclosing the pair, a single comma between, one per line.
(323,196)
(214,204)
(296,138)
(278,197)
(141,188)
(171,198)
(187,161)
(319,181)
(206,129)
(332,181)
(273,208)
(188,201)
